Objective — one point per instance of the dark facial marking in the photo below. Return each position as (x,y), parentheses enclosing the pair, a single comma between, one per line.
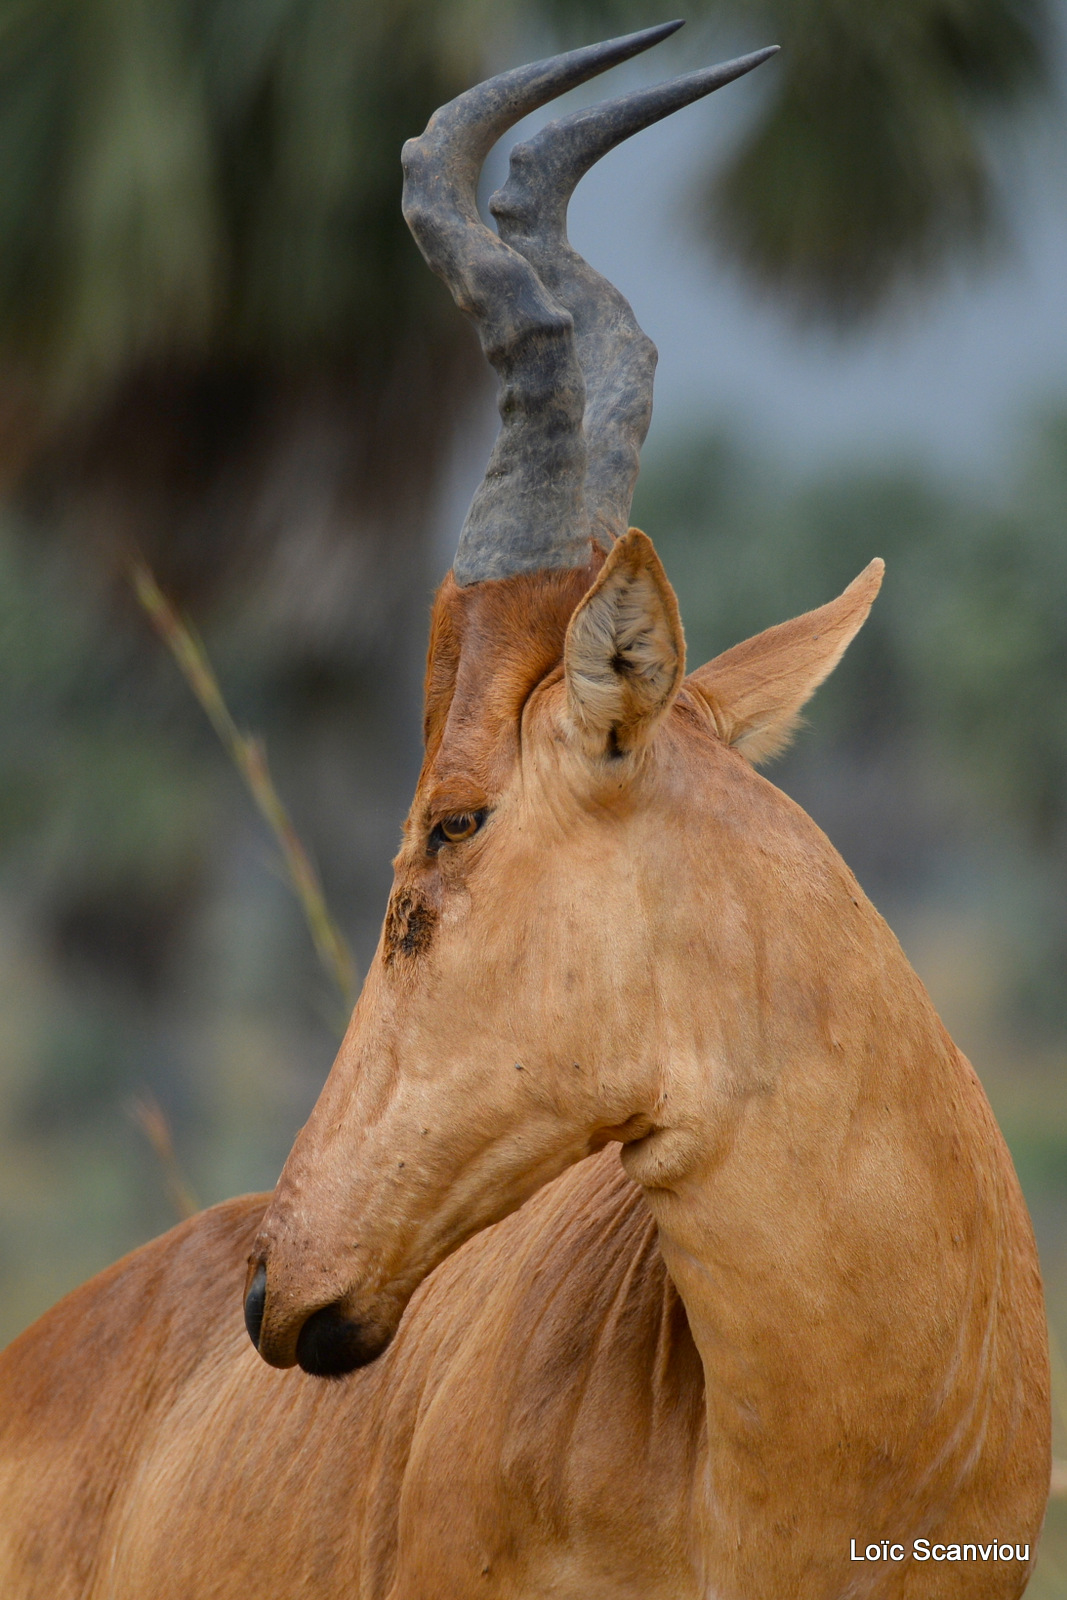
(409,925)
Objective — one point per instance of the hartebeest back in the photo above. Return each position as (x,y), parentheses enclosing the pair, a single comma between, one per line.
(798,1319)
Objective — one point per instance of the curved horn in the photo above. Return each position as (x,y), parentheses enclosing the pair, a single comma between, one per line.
(529,511)
(618,360)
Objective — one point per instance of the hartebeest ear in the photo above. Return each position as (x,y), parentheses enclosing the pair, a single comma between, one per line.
(757,689)
(625,653)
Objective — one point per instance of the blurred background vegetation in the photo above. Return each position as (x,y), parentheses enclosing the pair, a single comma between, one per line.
(219,349)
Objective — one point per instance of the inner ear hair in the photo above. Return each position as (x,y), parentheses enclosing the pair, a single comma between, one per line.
(624,658)
(756,690)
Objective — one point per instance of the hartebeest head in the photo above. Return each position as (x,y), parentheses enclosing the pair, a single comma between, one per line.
(575,943)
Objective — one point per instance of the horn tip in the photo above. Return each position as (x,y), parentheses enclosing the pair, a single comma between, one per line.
(653,35)
(744,64)
(627,45)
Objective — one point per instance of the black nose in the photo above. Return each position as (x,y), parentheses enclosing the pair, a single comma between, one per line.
(331,1344)
(255,1300)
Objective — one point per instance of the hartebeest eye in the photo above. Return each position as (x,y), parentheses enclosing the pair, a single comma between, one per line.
(454,829)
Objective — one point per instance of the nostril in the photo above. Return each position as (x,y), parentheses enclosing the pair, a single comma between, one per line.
(331,1344)
(255,1300)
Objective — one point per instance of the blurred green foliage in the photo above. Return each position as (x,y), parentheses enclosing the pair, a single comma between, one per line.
(870,164)
(186,180)
(93,787)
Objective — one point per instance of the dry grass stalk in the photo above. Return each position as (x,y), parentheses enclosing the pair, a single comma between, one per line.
(250,758)
(152,1121)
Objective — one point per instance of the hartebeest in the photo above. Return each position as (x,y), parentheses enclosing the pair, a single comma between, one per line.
(789,1342)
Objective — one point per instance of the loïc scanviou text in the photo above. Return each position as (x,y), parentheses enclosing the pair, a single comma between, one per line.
(925,1550)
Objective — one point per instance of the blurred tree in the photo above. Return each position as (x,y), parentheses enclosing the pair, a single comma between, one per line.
(871,164)
(215,330)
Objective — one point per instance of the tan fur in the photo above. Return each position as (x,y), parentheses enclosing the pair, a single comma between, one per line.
(757,689)
(802,1307)
(625,653)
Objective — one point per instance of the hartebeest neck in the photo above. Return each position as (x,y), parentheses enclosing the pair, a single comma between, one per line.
(834,1202)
